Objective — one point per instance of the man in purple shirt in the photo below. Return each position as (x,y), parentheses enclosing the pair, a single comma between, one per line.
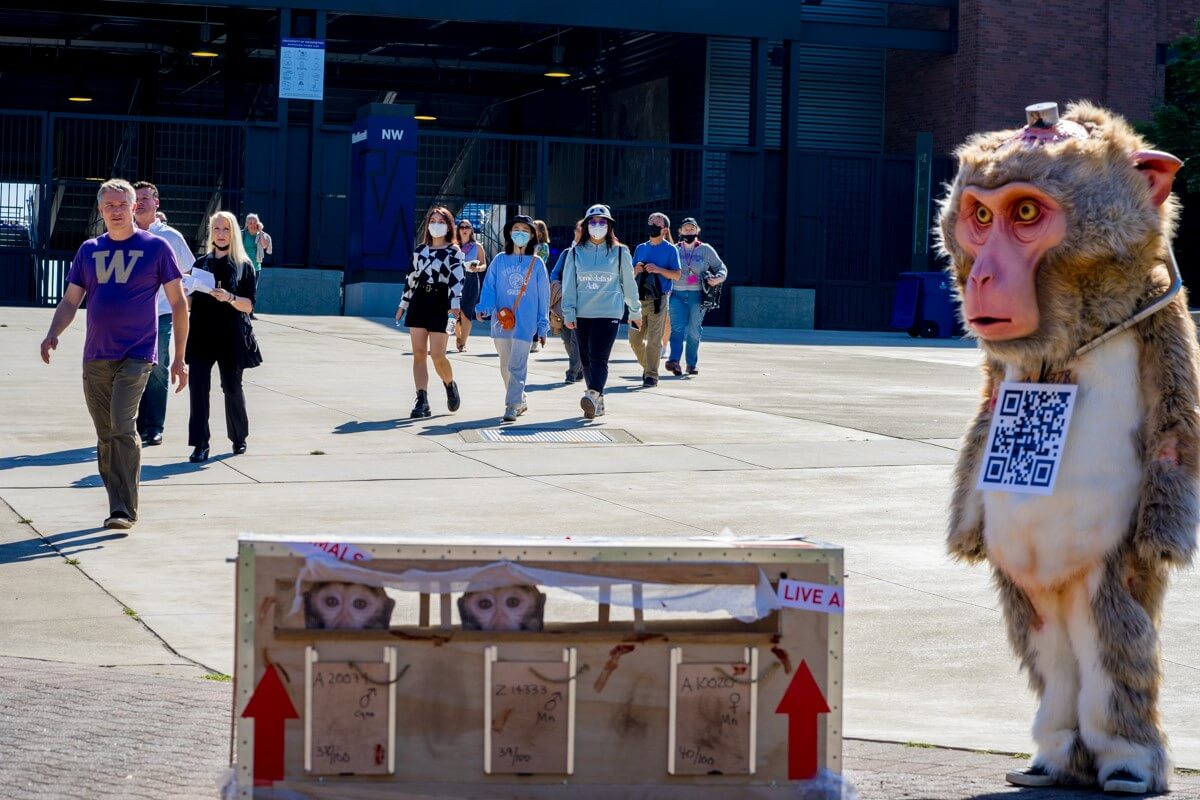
(119,273)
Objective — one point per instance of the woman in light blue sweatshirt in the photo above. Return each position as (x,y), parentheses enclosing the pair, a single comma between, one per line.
(517,280)
(598,285)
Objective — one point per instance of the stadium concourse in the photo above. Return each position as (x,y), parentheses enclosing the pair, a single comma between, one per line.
(842,437)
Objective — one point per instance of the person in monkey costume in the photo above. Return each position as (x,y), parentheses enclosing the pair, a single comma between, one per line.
(1059,236)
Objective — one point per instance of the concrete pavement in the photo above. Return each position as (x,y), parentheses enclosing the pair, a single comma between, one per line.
(847,438)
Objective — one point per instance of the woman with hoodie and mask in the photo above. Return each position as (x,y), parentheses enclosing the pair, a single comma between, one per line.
(516,282)
(700,266)
(598,285)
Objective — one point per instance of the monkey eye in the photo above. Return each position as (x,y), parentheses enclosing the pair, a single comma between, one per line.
(485,603)
(359,603)
(1028,211)
(983,215)
(332,601)
(512,602)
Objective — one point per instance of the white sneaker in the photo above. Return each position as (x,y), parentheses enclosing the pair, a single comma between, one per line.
(521,409)
(510,413)
(600,405)
(534,348)
(589,403)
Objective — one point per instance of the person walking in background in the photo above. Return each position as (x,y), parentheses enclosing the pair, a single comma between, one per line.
(152,410)
(700,267)
(474,267)
(119,274)
(516,295)
(221,336)
(598,285)
(656,267)
(542,251)
(433,301)
(257,242)
(569,339)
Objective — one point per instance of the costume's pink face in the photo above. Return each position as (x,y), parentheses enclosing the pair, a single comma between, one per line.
(1006,231)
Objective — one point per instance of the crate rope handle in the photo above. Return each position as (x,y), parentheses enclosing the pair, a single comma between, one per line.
(747,681)
(584,668)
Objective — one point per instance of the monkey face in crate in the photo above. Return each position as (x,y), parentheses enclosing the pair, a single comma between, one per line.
(347,606)
(508,608)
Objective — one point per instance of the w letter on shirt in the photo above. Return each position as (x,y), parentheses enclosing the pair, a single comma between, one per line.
(110,263)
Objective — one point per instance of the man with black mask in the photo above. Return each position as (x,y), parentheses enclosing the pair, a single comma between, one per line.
(656,265)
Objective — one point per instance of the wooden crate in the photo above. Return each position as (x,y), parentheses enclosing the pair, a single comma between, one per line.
(617,689)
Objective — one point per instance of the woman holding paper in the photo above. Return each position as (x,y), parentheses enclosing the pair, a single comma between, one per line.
(221,334)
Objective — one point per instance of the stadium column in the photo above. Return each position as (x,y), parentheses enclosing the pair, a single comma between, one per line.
(316,172)
(789,124)
(283,254)
(758,140)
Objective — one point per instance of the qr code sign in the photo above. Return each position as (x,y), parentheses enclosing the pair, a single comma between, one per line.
(1025,443)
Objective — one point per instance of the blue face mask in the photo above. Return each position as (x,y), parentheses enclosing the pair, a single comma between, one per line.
(520,238)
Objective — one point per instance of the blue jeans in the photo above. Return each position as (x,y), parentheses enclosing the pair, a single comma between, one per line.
(686,319)
(152,411)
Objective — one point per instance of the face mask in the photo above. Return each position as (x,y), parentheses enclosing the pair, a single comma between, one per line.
(654,230)
(598,231)
(438,229)
(690,237)
(520,238)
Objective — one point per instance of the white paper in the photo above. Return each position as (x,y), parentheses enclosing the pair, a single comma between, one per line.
(199,280)
(1027,438)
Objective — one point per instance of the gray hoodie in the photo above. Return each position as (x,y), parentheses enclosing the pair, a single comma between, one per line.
(598,283)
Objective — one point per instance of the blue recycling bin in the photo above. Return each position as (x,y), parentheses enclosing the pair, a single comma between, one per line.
(924,305)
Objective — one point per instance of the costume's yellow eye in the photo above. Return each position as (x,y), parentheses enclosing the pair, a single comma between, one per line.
(1028,211)
(983,215)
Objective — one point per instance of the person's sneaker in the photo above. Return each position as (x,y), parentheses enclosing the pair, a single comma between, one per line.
(453,398)
(649,381)
(673,368)
(534,348)
(521,409)
(693,371)
(510,413)
(572,378)
(119,520)
(1036,776)
(589,403)
(599,405)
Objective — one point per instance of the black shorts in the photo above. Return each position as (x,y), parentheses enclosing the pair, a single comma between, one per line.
(429,308)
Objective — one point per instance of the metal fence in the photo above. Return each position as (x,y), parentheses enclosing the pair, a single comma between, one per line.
(52,164)
(855,216)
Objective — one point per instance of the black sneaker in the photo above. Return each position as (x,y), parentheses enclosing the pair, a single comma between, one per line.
(673,368)
(119,520)
(649,381)
(693,371)
(1034,777)
(453,398)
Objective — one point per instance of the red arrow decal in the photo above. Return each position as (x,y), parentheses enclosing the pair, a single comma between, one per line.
(269,706)
(802,702)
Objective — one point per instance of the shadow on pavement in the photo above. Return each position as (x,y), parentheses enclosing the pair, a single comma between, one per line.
(56,545)
(371,425)
(156,472)
(77,456)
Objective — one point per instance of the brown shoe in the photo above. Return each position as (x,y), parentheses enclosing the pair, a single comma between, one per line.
(673,368)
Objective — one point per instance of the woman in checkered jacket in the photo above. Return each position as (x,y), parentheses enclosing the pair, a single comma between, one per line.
(432,300)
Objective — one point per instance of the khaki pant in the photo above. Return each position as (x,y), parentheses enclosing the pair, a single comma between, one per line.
(647,341)
(113,390)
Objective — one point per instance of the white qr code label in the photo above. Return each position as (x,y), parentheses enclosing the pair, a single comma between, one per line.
(1026,440)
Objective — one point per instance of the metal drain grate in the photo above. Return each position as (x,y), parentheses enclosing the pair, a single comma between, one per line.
(547,435)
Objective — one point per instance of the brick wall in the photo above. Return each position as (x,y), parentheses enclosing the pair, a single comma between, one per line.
(1016,52)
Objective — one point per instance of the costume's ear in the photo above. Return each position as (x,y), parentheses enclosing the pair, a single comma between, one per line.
(1159,169)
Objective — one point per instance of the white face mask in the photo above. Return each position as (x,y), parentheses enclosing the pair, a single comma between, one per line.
(438,229)
(598,231)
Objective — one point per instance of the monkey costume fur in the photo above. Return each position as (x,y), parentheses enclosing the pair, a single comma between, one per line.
(1057,233)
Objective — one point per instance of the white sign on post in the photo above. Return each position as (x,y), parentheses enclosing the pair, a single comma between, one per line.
(302,69)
